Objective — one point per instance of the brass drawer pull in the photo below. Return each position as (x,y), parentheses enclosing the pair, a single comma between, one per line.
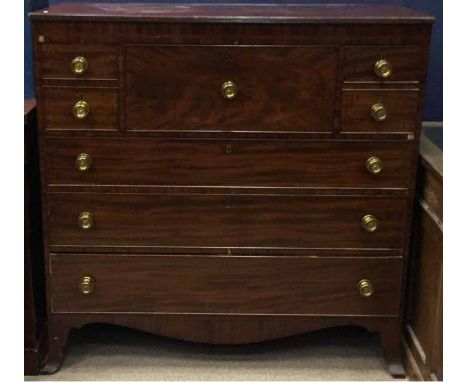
(379,112)
(86,221)
(365,288)
(83,162)
(79,65)
(383,68)
(229,90)
(370,223)
(374,165)
(86,285)
(81,109)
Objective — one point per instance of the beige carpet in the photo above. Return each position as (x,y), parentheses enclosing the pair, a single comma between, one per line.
(112,353)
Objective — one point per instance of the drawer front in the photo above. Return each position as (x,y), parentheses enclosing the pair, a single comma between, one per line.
(224,221)
(60,104)
(407,64)
(276,88)
(210,284)
(229,163)
(79,62)
(362,111)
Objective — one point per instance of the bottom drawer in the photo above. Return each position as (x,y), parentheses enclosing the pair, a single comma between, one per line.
(225,284)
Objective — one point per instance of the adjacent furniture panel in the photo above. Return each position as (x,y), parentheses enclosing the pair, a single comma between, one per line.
(424,313)
(35,316)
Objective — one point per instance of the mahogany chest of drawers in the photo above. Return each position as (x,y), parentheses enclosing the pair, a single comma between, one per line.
(228,174)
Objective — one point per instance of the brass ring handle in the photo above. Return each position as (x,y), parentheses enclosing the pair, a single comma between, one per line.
(86,221)
(86,285)
(383,68)
(81,109)
(379,112)
(83,162)
(370,223)
(365,288)
(374,165)
(79,65)
(229,90)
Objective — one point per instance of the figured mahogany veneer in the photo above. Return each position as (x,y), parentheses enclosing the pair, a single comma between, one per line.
(244,163)
(229,184)
(159,98)
(59,102)
(195,284)
(401,108)
(102,61)
(406,62)
(225,221)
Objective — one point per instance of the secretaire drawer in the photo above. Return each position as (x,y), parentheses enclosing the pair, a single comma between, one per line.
(200,221)
(211,284)
(80,108)
(376,111)
(237,88)
(69,61)
(273,163)
(385,64)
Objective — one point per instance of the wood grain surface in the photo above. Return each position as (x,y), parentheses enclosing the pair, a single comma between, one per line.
(246,163)
(401,106)
(199,221)
(240,285)
(179,88)
(59,102)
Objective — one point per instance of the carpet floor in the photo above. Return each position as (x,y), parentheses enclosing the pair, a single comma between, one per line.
(108,353)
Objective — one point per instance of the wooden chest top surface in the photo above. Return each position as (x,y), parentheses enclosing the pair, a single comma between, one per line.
(232,13)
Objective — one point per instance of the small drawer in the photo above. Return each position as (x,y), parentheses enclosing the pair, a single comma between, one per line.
(94,221)
(226,284)
(78,108)
(242,163)
(379,111)
(79,62)
(386,64)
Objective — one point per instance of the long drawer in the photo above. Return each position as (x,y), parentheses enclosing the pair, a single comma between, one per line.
(272,163)
(100,220)
(225,284)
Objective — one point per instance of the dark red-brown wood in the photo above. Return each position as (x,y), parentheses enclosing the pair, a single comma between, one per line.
(102,61)
(59,103)
(227,284)
(279,89)
(407,62)
(231,13)
(224,221)
(294,175)
(401,107)
(245,163)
